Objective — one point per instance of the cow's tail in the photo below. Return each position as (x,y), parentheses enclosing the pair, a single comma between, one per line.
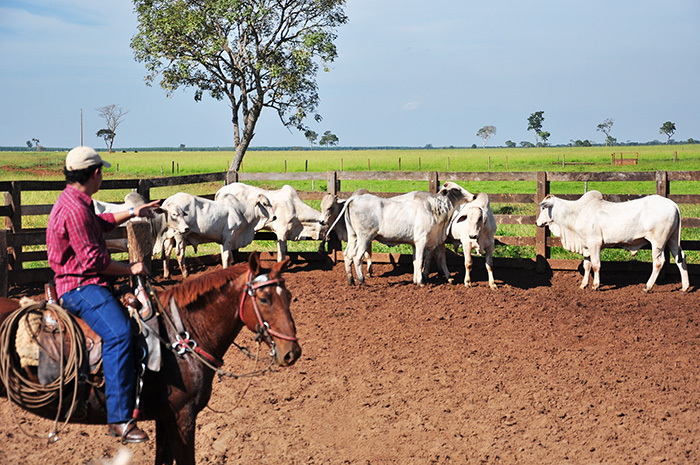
(677,237)
(340,215)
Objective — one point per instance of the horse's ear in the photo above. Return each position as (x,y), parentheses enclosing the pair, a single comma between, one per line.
(254,262)
(283,265)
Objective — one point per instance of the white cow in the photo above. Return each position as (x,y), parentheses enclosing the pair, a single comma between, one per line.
(195,220)
(474,226)
(293,220)
(590,224)
(132,199)
(331,206)
(417,218)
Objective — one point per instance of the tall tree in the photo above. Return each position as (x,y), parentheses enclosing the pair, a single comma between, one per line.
(328,138)
(485,133)
(669,129)
(253,53)
(311,136)
(606,127)
(113,116)
(534,123)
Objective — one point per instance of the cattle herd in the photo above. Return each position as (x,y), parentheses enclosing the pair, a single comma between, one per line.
(423,220)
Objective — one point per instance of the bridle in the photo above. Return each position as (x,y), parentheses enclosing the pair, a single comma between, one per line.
(262,328)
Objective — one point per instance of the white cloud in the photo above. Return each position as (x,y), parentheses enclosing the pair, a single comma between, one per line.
(411,106)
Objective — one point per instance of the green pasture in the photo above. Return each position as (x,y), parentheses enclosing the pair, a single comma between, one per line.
(144,164)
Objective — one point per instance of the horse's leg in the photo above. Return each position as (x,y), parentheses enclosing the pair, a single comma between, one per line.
(488,255)
(657,255)
(467,249)
(175,438)
(164,453)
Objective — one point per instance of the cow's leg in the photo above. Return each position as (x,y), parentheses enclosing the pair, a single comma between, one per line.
(167,251)
(467,250)
(658,259)
(180,247)
(281,249)
(420,257)
(347,258)
(586,271)
(488,255)
(595,266)
(361,247)
(679,257)
(226,254)
(368,257)
(442,262)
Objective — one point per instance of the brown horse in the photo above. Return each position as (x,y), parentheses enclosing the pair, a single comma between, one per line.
(212,308)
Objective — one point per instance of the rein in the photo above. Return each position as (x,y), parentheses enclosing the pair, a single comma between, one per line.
(186,345)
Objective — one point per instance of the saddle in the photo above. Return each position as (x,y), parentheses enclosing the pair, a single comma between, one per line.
(55,341)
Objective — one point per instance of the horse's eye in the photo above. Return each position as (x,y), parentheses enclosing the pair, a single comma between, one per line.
(264,301)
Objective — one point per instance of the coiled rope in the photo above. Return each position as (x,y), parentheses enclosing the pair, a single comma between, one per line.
(31,395)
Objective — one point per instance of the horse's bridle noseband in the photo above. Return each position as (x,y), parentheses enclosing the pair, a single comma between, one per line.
(263,327)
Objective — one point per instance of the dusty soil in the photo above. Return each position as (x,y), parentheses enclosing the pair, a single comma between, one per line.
(537,372)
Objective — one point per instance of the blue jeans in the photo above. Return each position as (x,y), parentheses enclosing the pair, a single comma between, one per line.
(105,315)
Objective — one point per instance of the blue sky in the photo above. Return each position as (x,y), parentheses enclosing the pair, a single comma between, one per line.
(409,73)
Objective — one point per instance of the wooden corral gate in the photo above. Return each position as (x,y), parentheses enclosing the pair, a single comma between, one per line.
(625,161)
(15,239)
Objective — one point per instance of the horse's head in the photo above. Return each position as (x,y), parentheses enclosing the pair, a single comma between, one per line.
(265,309)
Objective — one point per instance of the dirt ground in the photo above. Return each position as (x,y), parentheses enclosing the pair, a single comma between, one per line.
(537,372)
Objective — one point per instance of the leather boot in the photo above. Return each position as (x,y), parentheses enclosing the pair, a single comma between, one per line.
(128,431)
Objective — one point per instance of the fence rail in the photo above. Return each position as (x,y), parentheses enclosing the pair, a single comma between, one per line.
(14,238)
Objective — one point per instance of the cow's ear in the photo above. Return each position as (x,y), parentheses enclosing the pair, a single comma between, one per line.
(159,210)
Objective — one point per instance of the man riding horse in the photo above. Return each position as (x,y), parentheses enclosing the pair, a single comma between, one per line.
(84,269)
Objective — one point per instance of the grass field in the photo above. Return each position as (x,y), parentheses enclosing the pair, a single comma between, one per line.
(48,165)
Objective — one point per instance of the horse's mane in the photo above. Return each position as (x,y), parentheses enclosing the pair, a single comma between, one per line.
(192,289)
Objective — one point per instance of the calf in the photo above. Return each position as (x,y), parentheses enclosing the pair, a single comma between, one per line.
(474,226)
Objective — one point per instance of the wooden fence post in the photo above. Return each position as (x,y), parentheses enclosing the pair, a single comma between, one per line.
(333,183)
(144,189)
(231,176)
(542,251)
(433,182)
(141,240)
(662,185)
(4,283)
(14,222)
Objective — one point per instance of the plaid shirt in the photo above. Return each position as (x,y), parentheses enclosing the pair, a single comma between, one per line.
(75,241)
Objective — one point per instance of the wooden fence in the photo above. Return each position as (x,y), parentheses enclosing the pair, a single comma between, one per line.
(14,238)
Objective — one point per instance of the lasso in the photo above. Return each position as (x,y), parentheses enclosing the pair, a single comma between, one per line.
(32,395)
